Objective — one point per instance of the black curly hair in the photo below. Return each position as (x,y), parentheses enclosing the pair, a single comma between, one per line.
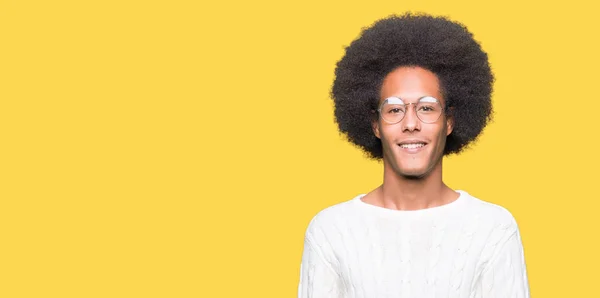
(438,44)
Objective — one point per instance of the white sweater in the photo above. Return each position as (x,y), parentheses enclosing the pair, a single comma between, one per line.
(468,248)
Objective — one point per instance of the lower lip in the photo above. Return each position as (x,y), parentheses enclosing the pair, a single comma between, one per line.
(412,150)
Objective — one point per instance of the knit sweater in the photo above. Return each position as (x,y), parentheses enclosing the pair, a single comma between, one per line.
(468,248)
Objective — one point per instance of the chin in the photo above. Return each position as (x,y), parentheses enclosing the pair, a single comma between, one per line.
(413,177)
(408,169)
(411,173)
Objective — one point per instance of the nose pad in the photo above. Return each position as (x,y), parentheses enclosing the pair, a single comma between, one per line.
(411,120)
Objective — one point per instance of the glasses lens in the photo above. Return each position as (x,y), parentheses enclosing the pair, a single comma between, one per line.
(429,110)
(393,112)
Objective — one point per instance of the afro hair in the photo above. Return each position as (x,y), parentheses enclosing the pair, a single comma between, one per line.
(444,47)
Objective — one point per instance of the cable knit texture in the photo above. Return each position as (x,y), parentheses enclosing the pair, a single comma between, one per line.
(468,248)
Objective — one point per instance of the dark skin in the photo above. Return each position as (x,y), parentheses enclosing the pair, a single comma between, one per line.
(412,179)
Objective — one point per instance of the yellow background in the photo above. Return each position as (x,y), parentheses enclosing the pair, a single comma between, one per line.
(179,149)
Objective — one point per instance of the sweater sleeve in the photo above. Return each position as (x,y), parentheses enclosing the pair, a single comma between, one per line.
(506,274)
(317,277)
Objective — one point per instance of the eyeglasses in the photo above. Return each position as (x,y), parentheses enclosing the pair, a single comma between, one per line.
(393,109)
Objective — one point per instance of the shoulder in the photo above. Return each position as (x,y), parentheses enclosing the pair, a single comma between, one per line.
(331,220)
(494,225)
(490,213)
(498,231)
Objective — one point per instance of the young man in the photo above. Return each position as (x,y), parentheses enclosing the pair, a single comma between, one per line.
(410,90)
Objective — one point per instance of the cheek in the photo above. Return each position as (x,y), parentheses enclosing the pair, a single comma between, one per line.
(437,133)
(386,132)
(390,134)
(442,137)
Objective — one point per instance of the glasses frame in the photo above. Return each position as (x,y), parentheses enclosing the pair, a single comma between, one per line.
(407,111)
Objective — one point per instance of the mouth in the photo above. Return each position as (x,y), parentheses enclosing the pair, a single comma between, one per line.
(412,147)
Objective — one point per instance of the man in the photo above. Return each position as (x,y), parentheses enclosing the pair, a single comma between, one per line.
(408,91)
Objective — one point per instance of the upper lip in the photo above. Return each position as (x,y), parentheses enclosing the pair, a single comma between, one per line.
(412,141)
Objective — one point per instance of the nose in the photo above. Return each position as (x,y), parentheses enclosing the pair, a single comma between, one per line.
(411,122)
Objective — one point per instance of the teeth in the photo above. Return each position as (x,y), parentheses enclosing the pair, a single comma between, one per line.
(412,146)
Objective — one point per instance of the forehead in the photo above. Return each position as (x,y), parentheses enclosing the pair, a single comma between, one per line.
(410,84)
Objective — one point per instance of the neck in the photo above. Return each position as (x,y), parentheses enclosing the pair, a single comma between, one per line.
(407,193)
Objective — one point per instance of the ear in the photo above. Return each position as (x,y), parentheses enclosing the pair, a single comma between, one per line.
(375,127)
(449,125)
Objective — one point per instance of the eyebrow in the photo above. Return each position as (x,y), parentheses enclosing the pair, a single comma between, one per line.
(399,100)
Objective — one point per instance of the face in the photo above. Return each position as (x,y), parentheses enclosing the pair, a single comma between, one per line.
(411,148)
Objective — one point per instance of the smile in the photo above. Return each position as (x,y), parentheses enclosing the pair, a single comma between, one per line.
(412,147)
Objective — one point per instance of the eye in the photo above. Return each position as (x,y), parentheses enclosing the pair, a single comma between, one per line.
(394,109)
(426,108)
